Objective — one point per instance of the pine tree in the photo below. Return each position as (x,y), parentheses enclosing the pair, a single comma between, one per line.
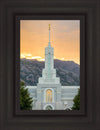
(25,99)
(76,100)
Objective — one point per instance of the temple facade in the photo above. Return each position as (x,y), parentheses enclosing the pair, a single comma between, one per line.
(49,94)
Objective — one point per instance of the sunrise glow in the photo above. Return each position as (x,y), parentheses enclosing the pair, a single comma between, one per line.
(29,56)
(65,39)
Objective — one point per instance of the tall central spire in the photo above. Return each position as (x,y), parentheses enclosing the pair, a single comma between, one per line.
(49,44)
(49,72)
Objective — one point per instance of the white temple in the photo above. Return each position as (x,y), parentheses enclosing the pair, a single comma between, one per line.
(49,73)
(49,94)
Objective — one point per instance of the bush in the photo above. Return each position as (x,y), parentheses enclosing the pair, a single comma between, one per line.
(76,100)
(25,99)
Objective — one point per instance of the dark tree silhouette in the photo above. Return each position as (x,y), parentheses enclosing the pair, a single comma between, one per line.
(76,100)
(25,99)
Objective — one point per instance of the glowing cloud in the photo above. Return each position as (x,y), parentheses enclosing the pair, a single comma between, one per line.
(64,38)
(62,59)
(36,57)
(42,59)
(22,56)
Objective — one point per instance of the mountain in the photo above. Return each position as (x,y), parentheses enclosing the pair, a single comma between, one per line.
(31,70)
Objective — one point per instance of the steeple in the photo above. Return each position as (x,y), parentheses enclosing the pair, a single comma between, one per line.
(49,72)
(49,44)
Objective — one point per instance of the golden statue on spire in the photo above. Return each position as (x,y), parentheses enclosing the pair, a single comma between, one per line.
(49,26)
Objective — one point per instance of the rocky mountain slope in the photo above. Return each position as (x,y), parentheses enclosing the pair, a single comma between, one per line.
(31,70)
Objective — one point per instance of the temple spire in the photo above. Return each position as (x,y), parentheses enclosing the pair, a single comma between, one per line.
(49,44)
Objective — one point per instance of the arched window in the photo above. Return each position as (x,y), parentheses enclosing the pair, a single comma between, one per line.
(49,108)
(49,95)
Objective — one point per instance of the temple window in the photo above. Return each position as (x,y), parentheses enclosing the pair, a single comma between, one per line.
(49,95)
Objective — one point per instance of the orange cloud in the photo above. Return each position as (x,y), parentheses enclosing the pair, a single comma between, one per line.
(65,38)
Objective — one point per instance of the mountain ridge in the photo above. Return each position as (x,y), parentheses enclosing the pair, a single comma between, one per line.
(31,70)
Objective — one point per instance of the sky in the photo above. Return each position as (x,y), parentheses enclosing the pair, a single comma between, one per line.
(64,38)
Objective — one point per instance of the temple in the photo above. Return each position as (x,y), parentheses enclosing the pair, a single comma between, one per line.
(49,94)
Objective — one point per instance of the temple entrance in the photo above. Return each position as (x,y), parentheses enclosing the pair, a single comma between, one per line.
(49,95)
(49,108)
